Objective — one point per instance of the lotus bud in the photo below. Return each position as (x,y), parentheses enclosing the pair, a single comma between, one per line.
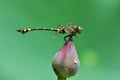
(66,63)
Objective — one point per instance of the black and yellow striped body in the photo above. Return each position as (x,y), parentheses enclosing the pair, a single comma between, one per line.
(33,29)
(70,29)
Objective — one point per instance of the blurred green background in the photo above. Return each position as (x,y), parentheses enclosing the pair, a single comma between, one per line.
(29,56)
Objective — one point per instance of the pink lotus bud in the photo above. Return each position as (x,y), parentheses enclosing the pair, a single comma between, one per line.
(65,62)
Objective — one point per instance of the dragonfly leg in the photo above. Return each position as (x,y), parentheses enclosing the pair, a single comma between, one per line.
(70,36)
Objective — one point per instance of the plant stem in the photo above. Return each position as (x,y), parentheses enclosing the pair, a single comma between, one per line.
(62,78)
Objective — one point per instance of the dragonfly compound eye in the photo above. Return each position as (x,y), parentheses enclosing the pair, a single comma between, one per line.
(79,29)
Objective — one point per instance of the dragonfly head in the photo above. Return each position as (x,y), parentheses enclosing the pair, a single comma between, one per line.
(79,29)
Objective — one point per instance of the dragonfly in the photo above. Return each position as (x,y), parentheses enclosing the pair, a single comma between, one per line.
(70,29)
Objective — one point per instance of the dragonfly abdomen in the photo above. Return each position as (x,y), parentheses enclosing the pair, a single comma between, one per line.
(33,29)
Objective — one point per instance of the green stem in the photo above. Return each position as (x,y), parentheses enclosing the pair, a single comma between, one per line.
(62,78)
